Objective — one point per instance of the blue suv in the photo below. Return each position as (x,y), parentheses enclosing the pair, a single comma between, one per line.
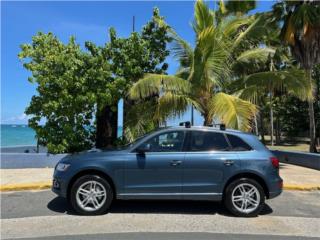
(182,163)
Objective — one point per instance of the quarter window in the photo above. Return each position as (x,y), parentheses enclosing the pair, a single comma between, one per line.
(238,144)
(208,141)
(165,142)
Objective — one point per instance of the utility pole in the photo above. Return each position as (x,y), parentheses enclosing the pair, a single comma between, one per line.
(192,115)
(133,23)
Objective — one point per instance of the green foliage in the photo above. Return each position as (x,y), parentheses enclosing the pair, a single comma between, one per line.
(293,115)
(130,58)
(64,102)
(240,7)
(206,70)
(316,77)
(139,53)
(75,86)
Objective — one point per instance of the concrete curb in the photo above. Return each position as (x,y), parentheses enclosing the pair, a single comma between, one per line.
(25,186)
(47,185)
(297,187)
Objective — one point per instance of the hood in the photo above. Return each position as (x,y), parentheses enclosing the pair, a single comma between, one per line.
(91,155)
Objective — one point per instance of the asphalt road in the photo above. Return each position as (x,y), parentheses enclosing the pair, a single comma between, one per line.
(42,215)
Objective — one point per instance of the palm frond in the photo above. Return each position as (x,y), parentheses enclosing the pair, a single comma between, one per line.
(210,62)
(292,80)
(256,54)
(181,50)
(203,16)
(233,111)
(173,105)
(252,94)
(253,28)
(155,84)
(139,121)
(230,25)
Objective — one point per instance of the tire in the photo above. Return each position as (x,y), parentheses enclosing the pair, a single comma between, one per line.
(87,195)
(248,197)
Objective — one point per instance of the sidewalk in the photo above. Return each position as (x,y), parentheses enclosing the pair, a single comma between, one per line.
(294,177)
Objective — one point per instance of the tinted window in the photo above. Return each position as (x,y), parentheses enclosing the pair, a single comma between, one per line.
(238,144)
(208,141)
(166,142)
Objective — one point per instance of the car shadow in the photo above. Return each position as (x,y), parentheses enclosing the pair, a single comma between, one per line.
(61,205)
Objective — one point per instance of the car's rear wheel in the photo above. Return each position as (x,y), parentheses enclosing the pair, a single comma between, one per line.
(244,197)
(91,195)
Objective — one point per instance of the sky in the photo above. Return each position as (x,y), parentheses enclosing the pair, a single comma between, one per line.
(87,21)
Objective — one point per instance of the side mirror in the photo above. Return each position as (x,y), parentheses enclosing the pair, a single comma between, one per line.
(143,148)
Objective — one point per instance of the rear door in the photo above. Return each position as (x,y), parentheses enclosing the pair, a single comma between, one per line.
(208,162)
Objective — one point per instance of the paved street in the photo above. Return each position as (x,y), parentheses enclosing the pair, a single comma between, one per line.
(42,215)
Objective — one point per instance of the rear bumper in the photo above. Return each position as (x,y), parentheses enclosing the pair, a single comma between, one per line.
(274,194)
(276,188)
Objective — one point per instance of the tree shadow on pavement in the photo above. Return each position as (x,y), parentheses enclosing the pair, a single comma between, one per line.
(61,205)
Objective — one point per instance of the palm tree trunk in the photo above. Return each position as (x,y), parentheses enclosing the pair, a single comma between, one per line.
(271,119)
(207,119)
(262,127)
(256,124)
(192,115)
(312,125)
(278,132)
(107,126)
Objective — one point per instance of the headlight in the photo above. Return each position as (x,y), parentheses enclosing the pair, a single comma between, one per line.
(62,167)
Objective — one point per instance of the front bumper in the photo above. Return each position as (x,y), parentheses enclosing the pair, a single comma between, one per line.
(59,185)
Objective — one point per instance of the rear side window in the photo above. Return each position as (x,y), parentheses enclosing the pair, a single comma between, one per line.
(208,141)
(238,144)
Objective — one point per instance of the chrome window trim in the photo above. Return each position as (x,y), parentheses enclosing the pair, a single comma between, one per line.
(167,194)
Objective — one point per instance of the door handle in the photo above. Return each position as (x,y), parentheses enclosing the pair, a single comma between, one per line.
(175,162)
(228,162)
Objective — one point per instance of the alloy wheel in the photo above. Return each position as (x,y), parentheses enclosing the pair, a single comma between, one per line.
(245,198)
(91,195)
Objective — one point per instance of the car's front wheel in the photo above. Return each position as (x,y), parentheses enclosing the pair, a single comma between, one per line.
(244,197)
(91,195)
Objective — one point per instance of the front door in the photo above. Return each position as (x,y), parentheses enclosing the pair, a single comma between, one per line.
(156,172)
(207,162)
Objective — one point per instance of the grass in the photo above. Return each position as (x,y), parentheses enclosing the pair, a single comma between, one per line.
(301,145)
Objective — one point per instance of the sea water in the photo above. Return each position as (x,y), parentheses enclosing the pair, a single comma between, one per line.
(21,135)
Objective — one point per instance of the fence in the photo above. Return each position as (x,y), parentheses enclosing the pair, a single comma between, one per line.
(310,160)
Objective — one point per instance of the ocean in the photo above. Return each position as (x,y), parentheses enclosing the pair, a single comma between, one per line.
(21,135)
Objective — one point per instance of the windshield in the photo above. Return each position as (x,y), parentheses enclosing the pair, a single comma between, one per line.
(129,145)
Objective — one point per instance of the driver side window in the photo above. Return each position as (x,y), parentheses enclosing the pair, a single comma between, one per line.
(165,142)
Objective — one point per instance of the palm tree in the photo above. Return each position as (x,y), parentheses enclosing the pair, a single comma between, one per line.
(261,87)
(301,31)
(273,75)
(206,70)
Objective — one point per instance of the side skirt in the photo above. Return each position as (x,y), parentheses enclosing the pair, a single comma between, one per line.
(171,196)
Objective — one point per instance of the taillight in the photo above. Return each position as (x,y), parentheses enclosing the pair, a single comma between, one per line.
(275,162)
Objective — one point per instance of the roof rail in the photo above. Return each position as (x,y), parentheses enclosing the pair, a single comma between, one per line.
(187,124)
(222,126)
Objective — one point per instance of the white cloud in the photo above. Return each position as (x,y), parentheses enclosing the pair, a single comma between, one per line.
(20,119)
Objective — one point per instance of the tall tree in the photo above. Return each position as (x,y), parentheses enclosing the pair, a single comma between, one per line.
(132,57)
(79,91)
(205,70)
(61,112)
(107,92)
(301,31)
